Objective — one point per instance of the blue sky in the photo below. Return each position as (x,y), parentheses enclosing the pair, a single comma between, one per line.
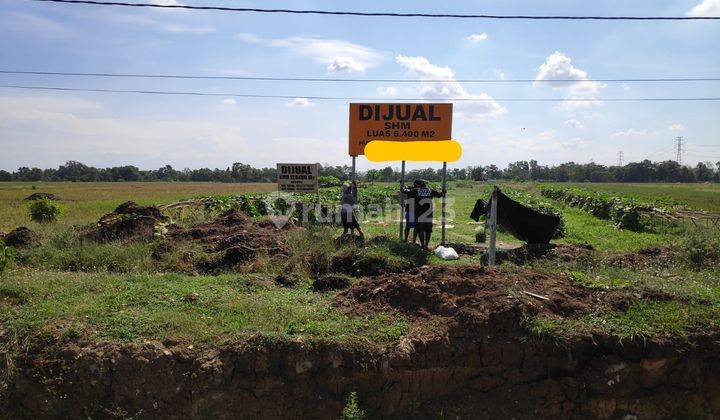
(47,128)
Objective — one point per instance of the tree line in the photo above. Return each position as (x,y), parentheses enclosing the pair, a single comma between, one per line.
(644,171)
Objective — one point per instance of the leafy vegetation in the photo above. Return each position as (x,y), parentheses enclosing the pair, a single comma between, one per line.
(352,409)
(257,205)
(44,211)
(625,212)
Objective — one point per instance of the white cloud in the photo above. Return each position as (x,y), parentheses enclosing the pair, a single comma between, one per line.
(631,132)
(388,90)
(476,38)
(677,127)
(706,8)
(557,69)
(300,103)
(545,141)
(34,25)
(229,101)
(547,135)
(196,30)
(48,130)
(339,56)
(249,38)
(485,107)
(304,149)
(345,65)
(573,123)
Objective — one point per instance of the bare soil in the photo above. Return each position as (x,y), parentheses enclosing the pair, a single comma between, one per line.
(468,294)
(231,239)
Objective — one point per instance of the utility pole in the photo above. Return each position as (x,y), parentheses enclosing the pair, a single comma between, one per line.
(679,141)
(620,158)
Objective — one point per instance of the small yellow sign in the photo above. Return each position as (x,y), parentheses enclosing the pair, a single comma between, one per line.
(416,151)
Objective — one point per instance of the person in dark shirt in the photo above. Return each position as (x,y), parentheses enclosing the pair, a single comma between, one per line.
(347,211)
(419,197)
(410,214)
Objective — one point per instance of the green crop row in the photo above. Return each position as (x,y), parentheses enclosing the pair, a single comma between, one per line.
(257,205)
(626,213)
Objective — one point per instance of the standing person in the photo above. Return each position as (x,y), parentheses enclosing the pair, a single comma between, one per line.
(347,212)
(420,196)
(409,208)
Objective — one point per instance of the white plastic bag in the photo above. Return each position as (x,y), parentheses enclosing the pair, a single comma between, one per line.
(446,253)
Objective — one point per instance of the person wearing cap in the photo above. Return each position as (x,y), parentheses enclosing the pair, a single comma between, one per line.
(347,212)
(419,198)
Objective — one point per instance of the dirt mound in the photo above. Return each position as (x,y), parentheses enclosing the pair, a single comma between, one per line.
(530,252)
(288,279)
(129,222)
(347,238)
(42,196)
(477,296)
(647,257)
(235,238)
(20,237)
(330,282)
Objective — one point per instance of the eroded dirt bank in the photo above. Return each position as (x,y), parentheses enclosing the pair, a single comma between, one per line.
(469,355)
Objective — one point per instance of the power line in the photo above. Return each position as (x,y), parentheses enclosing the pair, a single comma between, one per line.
(331,79)
(315,97)
(379,14)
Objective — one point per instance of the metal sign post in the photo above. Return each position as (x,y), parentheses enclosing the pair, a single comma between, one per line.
(493,226)
(442,205)
(402,198)
(352,175)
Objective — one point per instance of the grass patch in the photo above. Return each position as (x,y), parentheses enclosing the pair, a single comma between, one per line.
(656,319)
(195,308)
(66,251)
(645,319)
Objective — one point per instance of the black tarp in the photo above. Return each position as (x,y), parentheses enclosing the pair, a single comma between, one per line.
(522,222)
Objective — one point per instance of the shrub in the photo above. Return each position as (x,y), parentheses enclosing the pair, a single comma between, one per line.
(352,409)
(45,211)
(701,248)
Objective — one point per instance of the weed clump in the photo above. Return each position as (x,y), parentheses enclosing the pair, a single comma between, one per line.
(352,409)
(45,211)
(6,256)
(701,249)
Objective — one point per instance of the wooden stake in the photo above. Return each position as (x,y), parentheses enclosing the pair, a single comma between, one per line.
(493,226)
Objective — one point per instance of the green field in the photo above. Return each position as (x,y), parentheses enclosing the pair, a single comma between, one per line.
(118,291)
(86,202)
(697,196)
